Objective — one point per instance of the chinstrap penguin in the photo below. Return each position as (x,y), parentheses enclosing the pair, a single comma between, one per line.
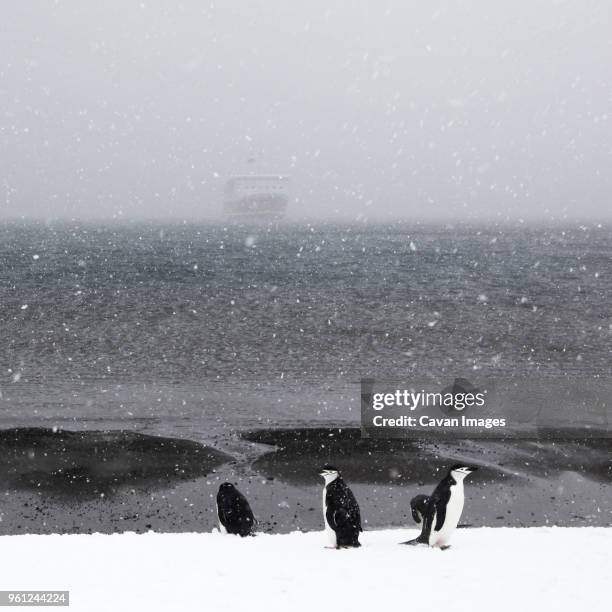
(340,511)
(233,511)
(442,510)
(418,505)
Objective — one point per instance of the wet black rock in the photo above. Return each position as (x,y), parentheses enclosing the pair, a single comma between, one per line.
(91,463)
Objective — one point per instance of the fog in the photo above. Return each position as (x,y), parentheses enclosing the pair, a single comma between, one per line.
(432,110)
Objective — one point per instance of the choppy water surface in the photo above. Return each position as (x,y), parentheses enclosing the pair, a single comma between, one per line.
(177,328)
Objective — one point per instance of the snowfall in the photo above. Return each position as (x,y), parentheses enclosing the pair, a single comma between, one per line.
(485,569)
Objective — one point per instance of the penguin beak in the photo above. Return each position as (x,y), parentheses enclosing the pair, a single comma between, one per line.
(325,473)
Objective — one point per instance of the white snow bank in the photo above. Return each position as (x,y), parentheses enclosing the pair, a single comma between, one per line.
(492,569)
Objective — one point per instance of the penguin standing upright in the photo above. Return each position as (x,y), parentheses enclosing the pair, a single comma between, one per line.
(233,510)
(340,511)
(442,510)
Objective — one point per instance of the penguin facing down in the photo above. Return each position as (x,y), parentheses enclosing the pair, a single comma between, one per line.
(340,511)
(442,510)
(418,505)
(233,510)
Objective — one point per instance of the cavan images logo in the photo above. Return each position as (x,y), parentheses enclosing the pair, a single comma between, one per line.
(399,409)
(525,407)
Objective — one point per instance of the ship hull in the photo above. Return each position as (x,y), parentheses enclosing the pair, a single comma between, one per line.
(257,207)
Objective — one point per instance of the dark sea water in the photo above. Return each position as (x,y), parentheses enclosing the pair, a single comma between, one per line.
(232,326)
(199,331)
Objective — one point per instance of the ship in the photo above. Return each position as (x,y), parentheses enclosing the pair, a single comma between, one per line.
(256,197)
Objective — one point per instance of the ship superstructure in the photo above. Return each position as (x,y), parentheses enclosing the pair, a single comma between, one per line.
(257,197)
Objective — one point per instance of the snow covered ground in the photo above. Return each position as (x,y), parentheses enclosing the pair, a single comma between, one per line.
(492,569)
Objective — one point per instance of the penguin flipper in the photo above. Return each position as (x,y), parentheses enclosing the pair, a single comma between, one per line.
(440,516)
(440,502)
(346,527)
(248,521)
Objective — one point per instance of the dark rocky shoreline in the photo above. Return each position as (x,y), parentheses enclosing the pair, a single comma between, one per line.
(83,464)
(300,452)
(58,481)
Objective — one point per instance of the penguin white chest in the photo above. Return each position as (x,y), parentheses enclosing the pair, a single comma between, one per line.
(454,508)
(329,532)
(222,528)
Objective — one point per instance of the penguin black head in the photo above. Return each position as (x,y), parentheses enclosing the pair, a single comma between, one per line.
(329,473)
(460,471)
(226,486)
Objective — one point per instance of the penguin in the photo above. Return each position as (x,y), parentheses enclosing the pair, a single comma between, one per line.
(233,511)
(418,504)
(340,511)
(442,510)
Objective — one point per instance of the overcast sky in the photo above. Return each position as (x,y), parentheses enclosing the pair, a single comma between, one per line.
(444,109)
